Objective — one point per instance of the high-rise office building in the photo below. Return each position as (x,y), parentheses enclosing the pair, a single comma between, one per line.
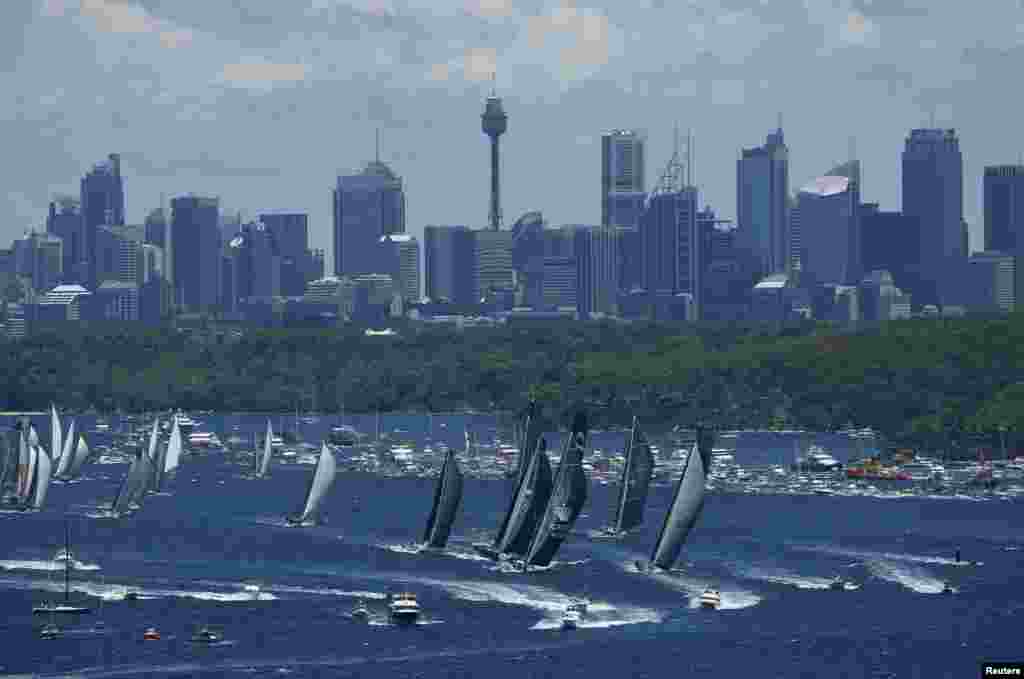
(195,239)
(448,264)
(933,185)
(39,257)
(828,237)
(990,282)
(597,268)
(400,254)
(880,299)
(291,233)
(253,267)
(1004,217)
(762,190)
(119,253)
(366,206)
(492,262)
(623,198)
(669,243)
(65,221)
(102,201)
(622,171)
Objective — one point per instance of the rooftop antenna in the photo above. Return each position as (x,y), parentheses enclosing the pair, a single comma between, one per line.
(689,157)
(376,145)
(780,121)
(931,117)
(494,83)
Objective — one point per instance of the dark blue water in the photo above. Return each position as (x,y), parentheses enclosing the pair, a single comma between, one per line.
(190,553)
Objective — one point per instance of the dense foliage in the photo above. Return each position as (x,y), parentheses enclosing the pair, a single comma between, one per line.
(930,378)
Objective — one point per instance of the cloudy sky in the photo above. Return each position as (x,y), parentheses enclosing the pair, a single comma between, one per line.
(263,102)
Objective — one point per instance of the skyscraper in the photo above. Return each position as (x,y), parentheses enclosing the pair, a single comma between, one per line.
(623,197)
(494,122)
(829,218)
(670,244)
(195,266)
(65,221)
(492,262)
(1004,217)
(762,190)
(933,185)
(448,264)
(102,200)
(290,231)
(400,255)
(597,270)
(366,206)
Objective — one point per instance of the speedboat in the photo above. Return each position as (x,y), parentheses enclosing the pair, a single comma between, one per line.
(361,612)
(49,631)
(711,599)
(571,618)
(404,608)
(205,635)
(151,634)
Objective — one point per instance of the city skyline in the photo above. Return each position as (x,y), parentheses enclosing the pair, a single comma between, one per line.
(212,106)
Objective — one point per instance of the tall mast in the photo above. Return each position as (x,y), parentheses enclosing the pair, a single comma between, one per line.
(67,560)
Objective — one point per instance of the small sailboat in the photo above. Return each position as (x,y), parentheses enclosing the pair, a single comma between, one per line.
(323,477)
(134,485)
(67,454)
(151,634)
(66,606)
(633,486)
(77,459)
(446,503)
(404,609)
(261,461)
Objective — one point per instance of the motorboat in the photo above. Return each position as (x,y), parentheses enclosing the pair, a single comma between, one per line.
(206,635)
(837,584)
(404,609)
(254,590)
(49,631)
(711,599)
(571,619)
(361,612)
(151,634)
(947,588)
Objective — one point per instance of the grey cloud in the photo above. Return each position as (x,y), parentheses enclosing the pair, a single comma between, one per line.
(145,165)
(265,23)
(897,79)
(894,8)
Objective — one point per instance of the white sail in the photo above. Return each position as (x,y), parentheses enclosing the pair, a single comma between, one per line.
(267,448)
(44,470)
(81,455)
(68,452)
(173,448)
(33,436)
(322,479)
(30,477)
(56,446)
(24,466)
(153,439)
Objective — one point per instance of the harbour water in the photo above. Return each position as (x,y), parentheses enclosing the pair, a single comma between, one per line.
(190,552)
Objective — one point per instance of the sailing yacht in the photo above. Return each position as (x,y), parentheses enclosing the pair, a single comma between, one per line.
(134,485)
(568,496)
(633,486)
(446,503)
(323,477)
(529,497)
(687,503)
(66,606)
(34,474)
(261,458)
